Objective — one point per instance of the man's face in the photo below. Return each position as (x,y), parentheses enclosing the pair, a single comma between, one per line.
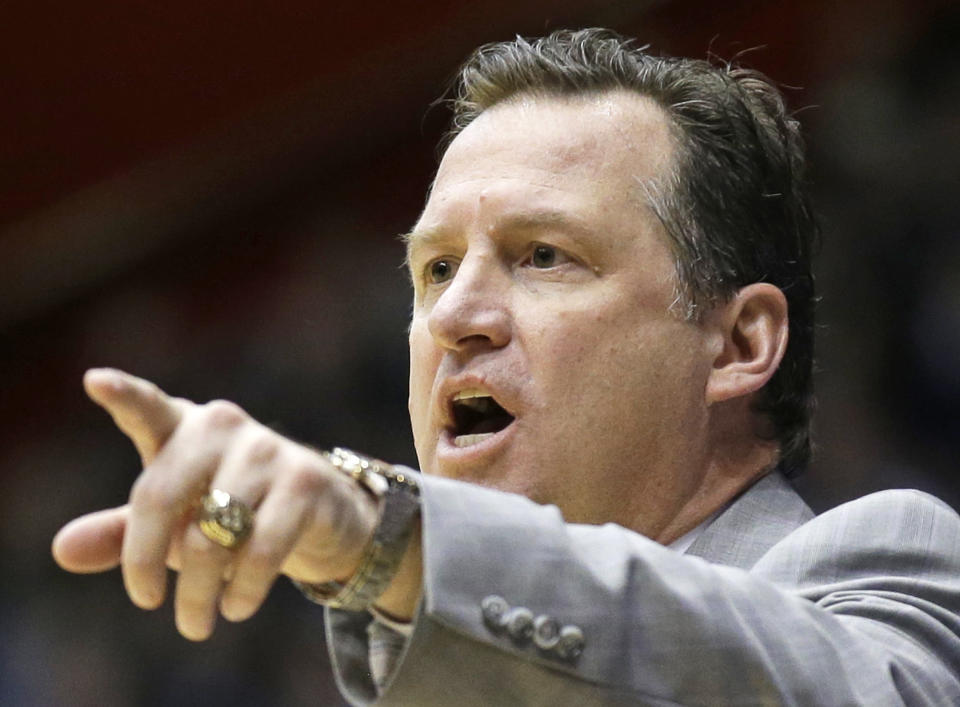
(544,358)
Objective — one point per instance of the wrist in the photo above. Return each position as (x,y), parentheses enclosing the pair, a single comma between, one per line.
(399,600)
(357,532)
(384,556)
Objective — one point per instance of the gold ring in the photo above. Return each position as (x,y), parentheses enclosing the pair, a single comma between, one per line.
(224,519)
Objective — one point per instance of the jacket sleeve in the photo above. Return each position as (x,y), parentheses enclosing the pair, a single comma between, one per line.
(859,606)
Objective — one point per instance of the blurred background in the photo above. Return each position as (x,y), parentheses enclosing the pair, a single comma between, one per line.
(209,194)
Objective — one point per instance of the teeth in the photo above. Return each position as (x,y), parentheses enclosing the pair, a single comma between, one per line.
(474,399)
(470,393)
(470,440)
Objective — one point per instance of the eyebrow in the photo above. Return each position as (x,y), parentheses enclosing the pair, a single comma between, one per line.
(421,238)
(427,235)
(528,220)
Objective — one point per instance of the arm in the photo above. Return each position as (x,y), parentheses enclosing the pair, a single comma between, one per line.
(860,606)
(312,522)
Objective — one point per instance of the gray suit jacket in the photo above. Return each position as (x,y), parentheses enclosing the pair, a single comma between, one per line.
(858,606)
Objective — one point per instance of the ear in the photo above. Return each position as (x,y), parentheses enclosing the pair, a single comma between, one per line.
(751,333)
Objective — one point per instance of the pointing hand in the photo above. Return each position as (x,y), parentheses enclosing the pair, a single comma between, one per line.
(312,522)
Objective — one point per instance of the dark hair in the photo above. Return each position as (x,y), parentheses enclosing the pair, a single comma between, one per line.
(735,206)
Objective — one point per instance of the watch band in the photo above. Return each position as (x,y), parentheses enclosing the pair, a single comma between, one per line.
(399,497)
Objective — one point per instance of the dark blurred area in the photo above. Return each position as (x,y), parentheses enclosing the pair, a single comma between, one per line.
(208,195)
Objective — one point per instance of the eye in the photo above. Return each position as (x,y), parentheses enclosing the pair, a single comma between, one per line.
(546,256)
(441,270)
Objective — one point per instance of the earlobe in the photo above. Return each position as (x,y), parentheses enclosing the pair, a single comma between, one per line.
(753,328)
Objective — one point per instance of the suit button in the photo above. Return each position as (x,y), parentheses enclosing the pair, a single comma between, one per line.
(570,643)
(519,622)
(494,610)
(546,632)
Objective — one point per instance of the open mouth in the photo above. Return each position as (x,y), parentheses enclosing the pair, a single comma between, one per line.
(476,417)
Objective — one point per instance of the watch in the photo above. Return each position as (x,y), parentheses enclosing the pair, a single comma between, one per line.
(399,496)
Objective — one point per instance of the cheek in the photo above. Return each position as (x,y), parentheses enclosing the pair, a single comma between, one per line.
(424,360)
(591,340)
(605,363)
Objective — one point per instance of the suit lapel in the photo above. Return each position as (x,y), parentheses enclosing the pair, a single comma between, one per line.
(754,522)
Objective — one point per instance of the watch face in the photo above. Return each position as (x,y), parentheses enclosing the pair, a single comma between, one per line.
(375,474)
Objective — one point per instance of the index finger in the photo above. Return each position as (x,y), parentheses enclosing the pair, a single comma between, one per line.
(142,411)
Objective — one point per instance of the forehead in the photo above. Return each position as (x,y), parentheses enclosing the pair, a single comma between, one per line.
(582,156)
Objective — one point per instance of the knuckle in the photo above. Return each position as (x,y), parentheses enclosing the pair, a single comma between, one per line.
(192,604)
(243,594)
(151,391)
(259,562)
(201,548)
(223,413)
(305,477)
(188,598)
(182,404)
(138,567)
(262,448)
(150,494)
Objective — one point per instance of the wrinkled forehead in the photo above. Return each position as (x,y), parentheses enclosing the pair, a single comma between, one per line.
(581,166)
(590,157)
(601,135)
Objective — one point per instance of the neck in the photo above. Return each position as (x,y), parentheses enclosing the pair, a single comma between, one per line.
(731,469)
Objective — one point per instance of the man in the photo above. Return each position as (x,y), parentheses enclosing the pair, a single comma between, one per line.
(613,318)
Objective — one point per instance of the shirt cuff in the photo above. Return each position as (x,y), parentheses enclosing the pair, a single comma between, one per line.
(404,628)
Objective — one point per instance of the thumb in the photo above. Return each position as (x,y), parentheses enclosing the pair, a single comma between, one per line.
(142,411)
(91,543)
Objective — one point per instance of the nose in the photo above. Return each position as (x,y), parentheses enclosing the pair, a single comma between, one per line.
(473,311)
